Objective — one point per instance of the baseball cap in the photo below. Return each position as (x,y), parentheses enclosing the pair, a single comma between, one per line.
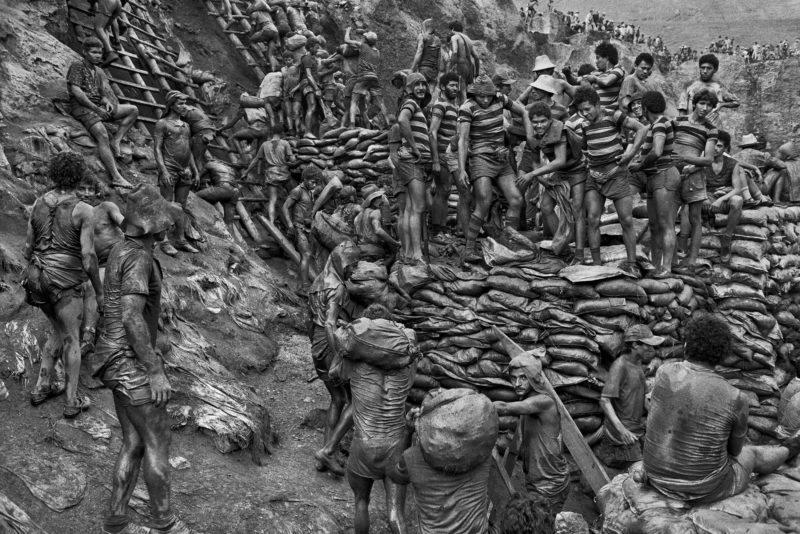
(642,334)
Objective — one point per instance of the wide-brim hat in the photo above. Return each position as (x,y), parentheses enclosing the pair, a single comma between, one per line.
(545,83)
(482,86)
(146,211)
(542,63)
(413,79)
(503,78)
(372,196)
(642,334)
(371,37)
(748,140)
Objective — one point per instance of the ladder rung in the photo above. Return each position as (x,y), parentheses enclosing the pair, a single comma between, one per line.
(135,85)
(141,102)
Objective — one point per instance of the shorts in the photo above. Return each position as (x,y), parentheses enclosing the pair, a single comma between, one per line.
(450,159)
(574,177)
(692,189)
(368,87)
(84,115)
(373,458)
(669,179)
(734,479)
(619,456)
(41,290)
(431,74)
(277,175)
(713,195)
(553,504)
(127,378)
(349,86)
(638,182)
(322,355)
(407,172)
(617,186)
(488,166)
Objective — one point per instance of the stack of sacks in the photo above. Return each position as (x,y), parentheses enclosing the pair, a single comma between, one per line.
(574,318)
(361,154)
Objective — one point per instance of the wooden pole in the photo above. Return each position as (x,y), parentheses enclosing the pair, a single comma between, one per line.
(590,466)
(285,244)
(247,222)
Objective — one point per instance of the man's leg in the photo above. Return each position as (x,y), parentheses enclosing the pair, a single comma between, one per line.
(325,455)
(579,212)
(69,314)
(696,222)
(664,201)
(305,255)
(361,487)
(508,186)
(273,201)
(355,101)
(126,471)
(311,108)
(51,351)
(98,131)
(763,459)
(482,191)
(734,216)
(624,207)
(439,208)
(656,243)
(127,115)
(396,505)
(152,425)
(415,207)
(594,207)
(549,213)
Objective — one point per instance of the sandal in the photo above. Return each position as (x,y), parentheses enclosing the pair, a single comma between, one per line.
(71,412)
(38,396)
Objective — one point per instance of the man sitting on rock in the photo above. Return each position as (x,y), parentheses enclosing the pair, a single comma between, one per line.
(694,447)
(93,103)
(60,251)
(374,241)
(623,399)
(380,434)
(545,465)
(726,187)
(128,363)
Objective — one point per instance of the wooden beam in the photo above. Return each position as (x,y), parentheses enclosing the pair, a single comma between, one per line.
(285,244)
(590,466)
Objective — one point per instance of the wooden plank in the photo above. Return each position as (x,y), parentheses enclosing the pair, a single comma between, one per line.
(501,488)
(153,46)
(144,103)
(590,466)
(248,58)
(247,222)
(285,244)
(134,85)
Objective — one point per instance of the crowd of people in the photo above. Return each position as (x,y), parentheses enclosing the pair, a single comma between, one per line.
(549,158)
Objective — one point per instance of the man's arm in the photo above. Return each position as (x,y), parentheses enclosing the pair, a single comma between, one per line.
(518,109)
(239,115)
(310,77)
(476,59)
(286,209)
(114,213)
(727,99)
(738,435)
(29,238)
(85,215)
(138,337)
(158,140)
(628,437)
(641,132)
(330,189)
(255,159)
(375,222)
(530,406)
(78,94)
(463,149)
(404,120)
(418,53)
(557,164)
(737,171)
(704,160)
(349,41)
(331,316)
(683,102)
(658,148)
(433,134)
(607,79)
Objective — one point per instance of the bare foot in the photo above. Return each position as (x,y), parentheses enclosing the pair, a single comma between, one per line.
(115,148)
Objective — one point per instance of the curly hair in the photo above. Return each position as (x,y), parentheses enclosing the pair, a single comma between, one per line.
(709,58)
(67,169)
(585,68)
(585,94)
(654,102)
(707,95)
(725,137)
(526,515)
(539,109)
(91,42)
(446,78)
(708,338)
(646,57)
(608,51)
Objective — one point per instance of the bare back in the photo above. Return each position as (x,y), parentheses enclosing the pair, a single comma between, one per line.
(107,219)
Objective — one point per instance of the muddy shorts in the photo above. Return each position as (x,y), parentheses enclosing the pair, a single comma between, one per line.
(322,355)
(41,290)
(734,479)
(488,166)
(619,456)
(692,189)
(368,87)
(373,458)
(614,187)
(408,171)
(127,378)
(713,195)
(349,86)
(669,179)
(431,74)
(574,178)
(638,182)
(84,115)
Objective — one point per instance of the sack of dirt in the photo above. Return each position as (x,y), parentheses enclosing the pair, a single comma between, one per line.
(250,101)
(368,282)
(379,342)
(330,230)
(457,429)
(295,41)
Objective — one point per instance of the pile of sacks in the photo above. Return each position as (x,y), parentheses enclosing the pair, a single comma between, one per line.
(771,505)
(361,154)
(574,317)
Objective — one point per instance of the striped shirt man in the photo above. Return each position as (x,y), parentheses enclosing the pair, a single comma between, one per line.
(612,83)
(693,134)
(602,141)
(662,127)
(419,131)
(448,115)
(486,132)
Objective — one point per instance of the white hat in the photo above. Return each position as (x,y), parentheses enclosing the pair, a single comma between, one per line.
(545,83)
(542,63)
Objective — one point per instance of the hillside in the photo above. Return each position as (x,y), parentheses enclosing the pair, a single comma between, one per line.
(697,23)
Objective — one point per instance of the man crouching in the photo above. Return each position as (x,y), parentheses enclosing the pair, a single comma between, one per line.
(127,362)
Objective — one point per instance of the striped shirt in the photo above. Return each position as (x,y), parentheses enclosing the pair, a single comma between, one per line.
(448,115)
(692,134)
(602,140)
(662,126)
(419,130)
(486,131)
(609,96)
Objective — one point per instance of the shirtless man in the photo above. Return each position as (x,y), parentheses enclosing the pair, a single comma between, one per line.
(367,83)
(309,81)
(202,128)
(221,187)
(546,468)
(380,434)
(374,242)
(107,220)
(276,154)
(296,211)
(329,302)
(127,362)
(464,60)
(709,65)
(93,103)
(59,248)
(177,170)
(428,57)
(105,20)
